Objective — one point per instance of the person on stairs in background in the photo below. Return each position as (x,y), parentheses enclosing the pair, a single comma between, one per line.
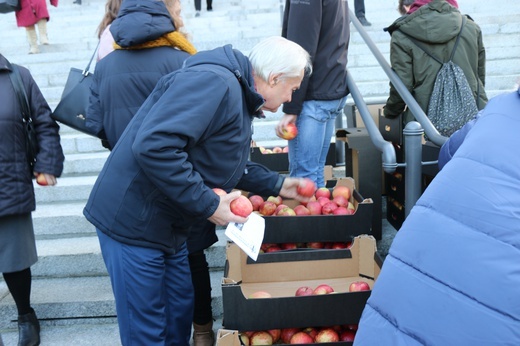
(415,68)
(322,28)
(359,10)
(17,199)
(106,40)
(198,6)
(31,13)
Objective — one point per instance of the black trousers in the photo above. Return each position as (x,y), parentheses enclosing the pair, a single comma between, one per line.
(202,312)
(359,8)
(208,3)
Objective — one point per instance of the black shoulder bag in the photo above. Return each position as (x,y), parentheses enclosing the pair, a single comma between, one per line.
(31,142)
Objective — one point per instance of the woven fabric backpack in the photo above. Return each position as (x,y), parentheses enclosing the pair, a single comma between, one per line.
(452,103)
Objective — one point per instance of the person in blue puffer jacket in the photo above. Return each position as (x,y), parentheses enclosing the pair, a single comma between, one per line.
(452,273)
(192,134)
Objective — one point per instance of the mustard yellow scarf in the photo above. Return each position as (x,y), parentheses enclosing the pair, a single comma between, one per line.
(173,39)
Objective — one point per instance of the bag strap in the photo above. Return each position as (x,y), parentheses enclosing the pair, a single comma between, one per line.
(428,52)
(16,80)
(86,71)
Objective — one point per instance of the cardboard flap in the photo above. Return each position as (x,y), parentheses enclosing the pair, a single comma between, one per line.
(367,249)
(226,337)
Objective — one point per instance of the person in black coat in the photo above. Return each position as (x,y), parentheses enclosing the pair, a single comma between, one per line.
(17,200)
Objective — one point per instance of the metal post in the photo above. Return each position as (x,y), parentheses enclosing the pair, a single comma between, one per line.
(413,153)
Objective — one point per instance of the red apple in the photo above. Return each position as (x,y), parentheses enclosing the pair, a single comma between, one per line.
(262,150)
(328,208)
(241,206)
(280,207)
(306,187)
(287,334)
(340,190)
(288,246)
(277,150)
(261,338)
(304,203)
(340,200)
(301,210)
(341,211)
(256,201)
(322,192)
(353,326)
(323,200)
(347,335)
(323,289)
(40,180)
(339,245)
(357,286)
(327,335)
(265,246)
(260,294)
(289,131)
(303,291)
(314,207)
(301,338)
(273,248)
(275,199)
(219,191)
(275,333)
(267,208)
(285,149)
(315,245)
(311,331)
(286,212)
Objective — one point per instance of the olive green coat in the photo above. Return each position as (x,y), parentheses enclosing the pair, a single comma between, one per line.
(436,25)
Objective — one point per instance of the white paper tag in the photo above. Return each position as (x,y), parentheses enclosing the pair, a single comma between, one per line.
(248,236)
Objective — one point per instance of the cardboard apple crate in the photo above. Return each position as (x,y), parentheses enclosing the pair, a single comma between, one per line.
(228,337)
(322,228)
(282,273)
(279,162)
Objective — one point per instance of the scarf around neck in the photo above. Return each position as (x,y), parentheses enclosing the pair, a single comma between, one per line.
(172,39)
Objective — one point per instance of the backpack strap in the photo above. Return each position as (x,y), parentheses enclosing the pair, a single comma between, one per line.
(16,80)
(427,51)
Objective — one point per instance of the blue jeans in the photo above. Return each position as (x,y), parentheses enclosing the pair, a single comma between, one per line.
(153,293)
(308,151)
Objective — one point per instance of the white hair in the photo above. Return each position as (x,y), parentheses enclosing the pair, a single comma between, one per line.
(275,55)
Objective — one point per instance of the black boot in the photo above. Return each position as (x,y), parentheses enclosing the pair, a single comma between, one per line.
(28,330)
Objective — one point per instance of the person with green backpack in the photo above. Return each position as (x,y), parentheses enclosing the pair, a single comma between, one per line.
(429,34)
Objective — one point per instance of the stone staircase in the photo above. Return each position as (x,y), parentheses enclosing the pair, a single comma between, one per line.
(71,291)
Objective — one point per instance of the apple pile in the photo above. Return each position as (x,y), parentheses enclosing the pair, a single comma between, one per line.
(274,150)
(273,247)
(294,336)
(322,201)
(309,291)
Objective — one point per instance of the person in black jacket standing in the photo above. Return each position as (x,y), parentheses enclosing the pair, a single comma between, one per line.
(321,27)
(17,200)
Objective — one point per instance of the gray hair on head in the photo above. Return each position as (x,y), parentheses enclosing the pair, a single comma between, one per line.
(277,55)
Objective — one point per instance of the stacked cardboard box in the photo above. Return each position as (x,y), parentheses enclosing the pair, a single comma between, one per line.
(282,273)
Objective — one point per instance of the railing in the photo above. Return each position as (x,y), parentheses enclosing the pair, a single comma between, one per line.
(412,133)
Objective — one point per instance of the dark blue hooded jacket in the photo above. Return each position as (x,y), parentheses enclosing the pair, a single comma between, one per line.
(193,133)
(124,78)
(452,275)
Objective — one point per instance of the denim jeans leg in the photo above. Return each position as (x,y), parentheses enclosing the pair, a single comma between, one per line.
(308,151)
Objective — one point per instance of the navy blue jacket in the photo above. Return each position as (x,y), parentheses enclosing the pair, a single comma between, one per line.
(16,186)
(124,78)
(452,274)
(193,133)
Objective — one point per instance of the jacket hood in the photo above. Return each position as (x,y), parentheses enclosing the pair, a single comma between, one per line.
(140,21)
(238,64)
(4,64)
(437,22)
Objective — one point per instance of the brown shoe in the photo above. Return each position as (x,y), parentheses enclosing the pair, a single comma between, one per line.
(203,335)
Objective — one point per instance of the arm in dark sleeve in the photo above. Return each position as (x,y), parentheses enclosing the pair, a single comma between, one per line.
(94,118)
(302,23)
(50,157)
(259,180)
(402,65)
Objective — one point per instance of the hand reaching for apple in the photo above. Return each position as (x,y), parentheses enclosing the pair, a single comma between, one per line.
(282,124)
(290,189)
(223,215)
(45,179)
